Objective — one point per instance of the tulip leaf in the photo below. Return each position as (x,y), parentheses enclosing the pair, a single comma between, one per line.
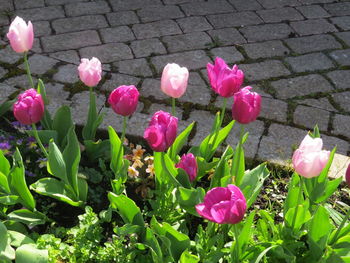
(18,239)
(29,253)
(62,122)
(27,217)
(222,169)
(93,119)
(117,151)
(9,199)
(165,169)
(7,253)
(187,257)
(183,178)
(245,233)
(179,142)
(293,192)
(151,241)
(96,150)
(4,164)
(45,135)
(4,185)
(56,164)
(46,121)
(6,106)
(189,198)
(303,215)
(83,189)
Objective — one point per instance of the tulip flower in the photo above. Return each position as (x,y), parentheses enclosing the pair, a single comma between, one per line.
(246,106)
(90,71)
(309,159)
(223,205)
(189,164)
(174,80)
(161,131)
(21,35)
(124,99)
(223,80)
(347,176)
(29,108)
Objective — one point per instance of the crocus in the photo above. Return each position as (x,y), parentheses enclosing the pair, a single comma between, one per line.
(29,107)
(90,71)
(189,164)
(223,205)
(124,99)
(223,80)
(246,106)
(21,35)
(309,159)
(161,131)
(174,80)
(347,176)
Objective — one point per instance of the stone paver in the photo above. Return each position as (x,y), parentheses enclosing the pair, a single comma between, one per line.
(67,74)
(6,90)
(320,103)
(79,23)
(150,13)
(226,36)
(8,56)
(342,99)
(309,117)
(266,32)
(264,70)
(87,8)
(116,34)
(122,18)
(117,80)
(280,15)
(147,47)
(266,49)
(229,54)
(70,56)
(190,41)
(310,62)
(343,22)
(2,72)
(156,29)
(193,24)
(342,57)
(312,27)
(234,19)
(205,8)
(341,125)
(42,13)
(340,78)
(108,52)
(40,64)
(135,67)
(313,11)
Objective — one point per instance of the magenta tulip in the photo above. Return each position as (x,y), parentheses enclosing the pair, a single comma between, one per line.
(161,131)
(246,106)
(309,159)
(21,35)
(223,80)
(174,80)
(223,205)
(189,164)
(347,176)
(90,71)
(124,99)
(29,108)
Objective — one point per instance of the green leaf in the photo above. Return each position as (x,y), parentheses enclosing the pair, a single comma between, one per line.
(117,150)
(126,208)
(45,135)
(4,185)
(239,153)
(293,192)
(3,237)
(56,164)
(303,216)
(4,164)
(151,241)
(96,150)
(6,106)
(18,239)
(83,189)
(9,199)
(165,170)
(222,169)
(187,257)
(183,178)
(245,234)
(7,253)
(179,142)
(46,121)
(27,217)
(42,91)
(29,253)
(62,122)
(90,128)
(188,198)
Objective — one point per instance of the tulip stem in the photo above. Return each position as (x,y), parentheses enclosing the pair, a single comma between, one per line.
(39,141)
(173,106)
(235,249)
(299,200)
(235,166)
(346,217)
(125,120)
(223,112)
(28,70)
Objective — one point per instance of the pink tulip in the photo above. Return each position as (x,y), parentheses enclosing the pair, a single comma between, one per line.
(29,107)
(90,71)
(174,80)
(347,176)
(124,99)
(223,80)
(309,159)
(223,205)
(161,131)
(189,164)
(246,106)
(21,35)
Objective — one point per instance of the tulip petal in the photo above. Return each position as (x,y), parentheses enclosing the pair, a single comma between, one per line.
(203,211)
(221,211)
(217,195)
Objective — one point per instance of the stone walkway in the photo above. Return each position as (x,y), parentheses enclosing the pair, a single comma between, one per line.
(295,53)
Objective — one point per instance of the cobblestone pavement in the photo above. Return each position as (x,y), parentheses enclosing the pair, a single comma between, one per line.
(296,53)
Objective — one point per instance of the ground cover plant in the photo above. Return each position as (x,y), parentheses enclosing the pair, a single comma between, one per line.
(67,195)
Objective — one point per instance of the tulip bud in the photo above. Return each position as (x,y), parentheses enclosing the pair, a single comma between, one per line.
(347,176)
(223,80)
(189,164)
(90,71)
(21,35)
(29,107)
(246,106)
(174,80)
(124,99)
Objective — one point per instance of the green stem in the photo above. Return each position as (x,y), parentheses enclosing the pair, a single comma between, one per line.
(235,166)
(346,217)
(298,202)
(39,141)
(125,120)
(28,70)
(173,106)
(235,250)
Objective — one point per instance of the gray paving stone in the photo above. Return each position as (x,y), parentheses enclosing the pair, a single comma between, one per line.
(310,62)
(2,72)
(70,41)
(157,107)
(191,59)
(57,97)
(6,91)
(266,49)
(122,18)
(147,47)
(108,52)
(278,3)
(266,32)
(341,56)
(42,13)
(312,27)
(343,22)
(342,99)
(42,28)
(176,2)
(117,80)
(155,13)
(206,8)
(36,46)
(329,142)
(312,43)
(234,19)
(341,125)
(320,103)
(119,5)
(156,29)
(313,11)
(344,36)
(7,55)
(338,9)
(309,117)
(79,23)
(226,36)
(67,74)
(6,5)
(135,67)
(229,54)
(190,41)
(246,5)
(116,34)
(340,78)
(193,24)
(197,91)
(280,14)
(317,1)
(204,120)
(264,70)
(87,8)
(295,87)
(273,109)
(23,4)
(21,82)
(4,21)
(40,64)
(70,56)
(151,87)
(62,2)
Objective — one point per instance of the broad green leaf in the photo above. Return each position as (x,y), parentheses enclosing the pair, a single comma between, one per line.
(204,166)
(62,122)
(331,187)
(27,217)
(28,253)
(263,253)
(3,237)
(126,208)
(6,106)
(96,150)
(9,199)
(42,91)
(303,215)
(88,132)
(238,163)
(4,185)
(179,142)
(222,169)
(83,189)
(56,164)
(165,170)
(245,234)
(45,135)
(46,121)
(117,150)
(293,192)
(151,241)
(188,198)
(183,178)
(4,164)
(187,257)
(18,239)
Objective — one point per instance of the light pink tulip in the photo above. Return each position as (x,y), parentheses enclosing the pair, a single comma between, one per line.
(223,80)
(223,205)
(21,35)
(347,176)
(246,106)
(309,159)
(189,164)
(124,99)
(29,107)
(90,71)
(174,80)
